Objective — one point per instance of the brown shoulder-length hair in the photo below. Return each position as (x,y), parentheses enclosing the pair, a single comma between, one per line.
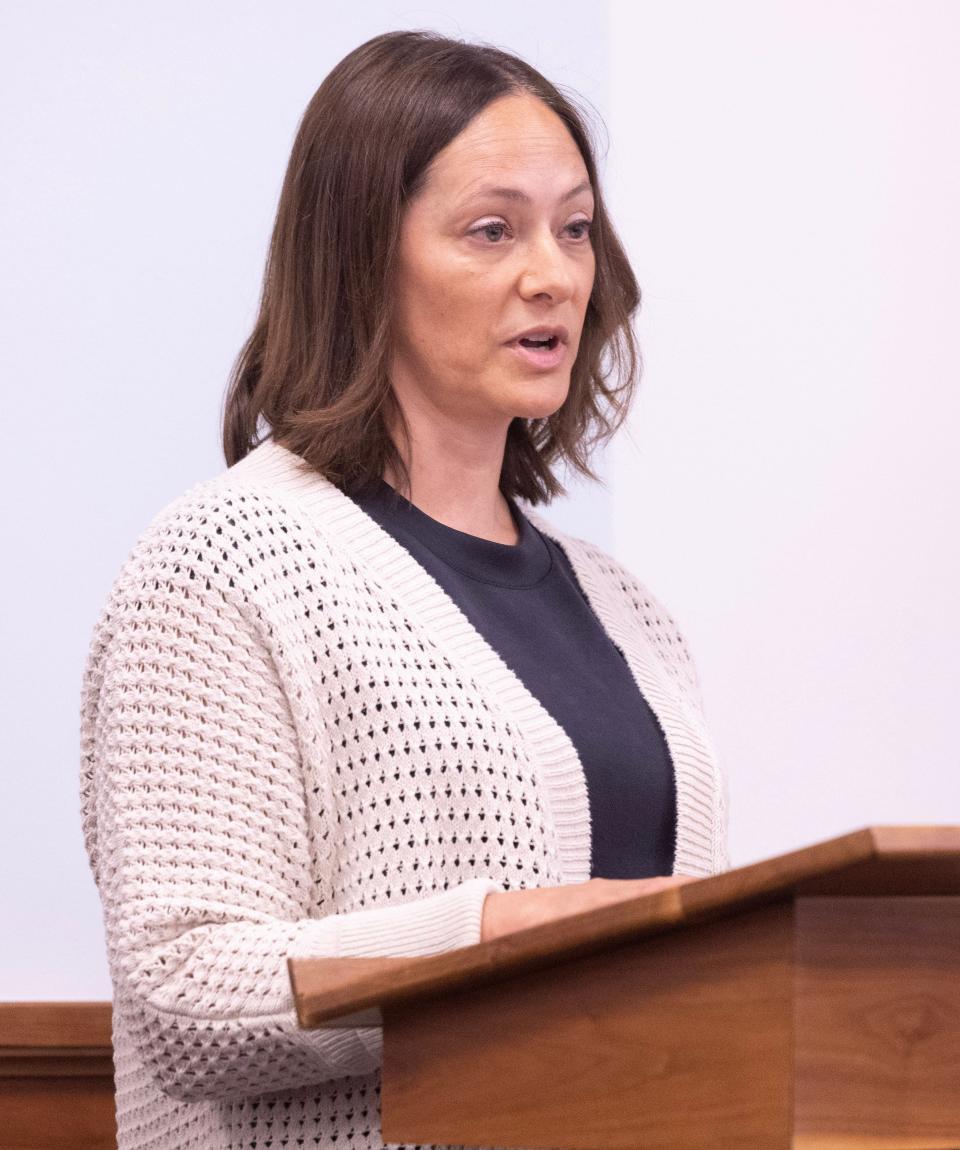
(315,368)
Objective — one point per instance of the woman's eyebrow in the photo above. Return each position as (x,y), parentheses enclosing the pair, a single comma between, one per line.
(496,192)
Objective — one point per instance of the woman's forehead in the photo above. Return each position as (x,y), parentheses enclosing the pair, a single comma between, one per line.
(514,142)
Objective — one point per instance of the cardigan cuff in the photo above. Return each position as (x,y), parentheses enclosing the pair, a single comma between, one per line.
(439,922)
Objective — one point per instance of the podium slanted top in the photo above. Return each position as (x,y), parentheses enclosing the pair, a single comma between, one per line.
(872,861)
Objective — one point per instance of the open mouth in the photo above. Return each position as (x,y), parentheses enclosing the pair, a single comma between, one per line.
(542,353)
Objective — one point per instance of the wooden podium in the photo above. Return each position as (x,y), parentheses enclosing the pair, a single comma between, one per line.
(811,1000)
(56,1076)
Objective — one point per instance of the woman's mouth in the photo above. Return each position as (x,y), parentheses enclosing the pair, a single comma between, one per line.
(542,353)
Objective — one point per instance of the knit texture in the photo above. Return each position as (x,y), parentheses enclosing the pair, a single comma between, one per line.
(294,743)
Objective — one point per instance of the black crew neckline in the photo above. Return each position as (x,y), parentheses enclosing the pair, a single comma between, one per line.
(521,564)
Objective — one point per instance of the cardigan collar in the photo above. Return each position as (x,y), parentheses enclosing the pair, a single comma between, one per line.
(336,515)
(520,564)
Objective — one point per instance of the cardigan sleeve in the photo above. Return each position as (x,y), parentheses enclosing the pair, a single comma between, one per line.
(195,821)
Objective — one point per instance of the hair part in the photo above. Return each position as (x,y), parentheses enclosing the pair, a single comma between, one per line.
(315,368)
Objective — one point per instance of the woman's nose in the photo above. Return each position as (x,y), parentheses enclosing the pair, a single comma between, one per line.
(546,270)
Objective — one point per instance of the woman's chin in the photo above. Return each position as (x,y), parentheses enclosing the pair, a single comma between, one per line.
(539,401)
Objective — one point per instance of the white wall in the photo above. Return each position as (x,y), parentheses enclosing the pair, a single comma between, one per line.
(787,176)
(143,151)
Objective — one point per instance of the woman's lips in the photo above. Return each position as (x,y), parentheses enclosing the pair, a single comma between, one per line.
(544,357)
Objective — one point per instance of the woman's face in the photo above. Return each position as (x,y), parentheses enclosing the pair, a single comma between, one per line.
(496,243)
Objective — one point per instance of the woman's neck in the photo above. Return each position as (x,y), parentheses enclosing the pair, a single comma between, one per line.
(461,490)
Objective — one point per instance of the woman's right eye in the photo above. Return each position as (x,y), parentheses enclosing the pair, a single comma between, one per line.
(485,229)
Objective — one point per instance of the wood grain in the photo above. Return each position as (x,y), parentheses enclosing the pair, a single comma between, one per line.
(64,1025)
(683,1041)
(56,1076)
(878,1023)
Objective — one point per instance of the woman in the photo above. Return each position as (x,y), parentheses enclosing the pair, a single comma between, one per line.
(347,698)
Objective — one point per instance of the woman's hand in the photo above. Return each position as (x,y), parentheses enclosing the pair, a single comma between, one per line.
(506,911)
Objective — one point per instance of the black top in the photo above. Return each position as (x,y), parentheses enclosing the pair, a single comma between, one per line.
(526,602)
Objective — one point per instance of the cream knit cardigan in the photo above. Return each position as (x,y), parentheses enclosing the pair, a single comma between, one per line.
(294,743)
